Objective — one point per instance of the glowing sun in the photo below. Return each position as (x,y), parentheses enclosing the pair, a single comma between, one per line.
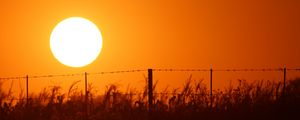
(76,42)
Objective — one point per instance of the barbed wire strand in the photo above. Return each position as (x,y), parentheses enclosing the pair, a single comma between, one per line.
(158,70)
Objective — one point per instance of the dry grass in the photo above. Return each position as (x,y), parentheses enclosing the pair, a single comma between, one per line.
(256,100)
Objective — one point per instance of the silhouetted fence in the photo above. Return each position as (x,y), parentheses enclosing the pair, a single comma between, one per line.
(150,78)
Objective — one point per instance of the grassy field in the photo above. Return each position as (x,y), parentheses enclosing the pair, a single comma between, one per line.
(256,100)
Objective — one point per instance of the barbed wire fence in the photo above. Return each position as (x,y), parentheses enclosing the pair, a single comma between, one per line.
(150,78)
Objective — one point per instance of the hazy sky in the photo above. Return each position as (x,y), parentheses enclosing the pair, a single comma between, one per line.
(138,34)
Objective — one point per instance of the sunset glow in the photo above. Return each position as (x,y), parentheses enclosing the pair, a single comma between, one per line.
(149,59)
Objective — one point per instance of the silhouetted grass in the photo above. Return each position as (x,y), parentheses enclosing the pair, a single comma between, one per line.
(255,100)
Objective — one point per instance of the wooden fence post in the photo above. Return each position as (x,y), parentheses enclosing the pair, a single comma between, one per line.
(27,98)
(284,80)
(150,90)
(86,96)
(211,97)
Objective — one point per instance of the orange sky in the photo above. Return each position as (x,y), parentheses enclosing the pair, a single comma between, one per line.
(139,34)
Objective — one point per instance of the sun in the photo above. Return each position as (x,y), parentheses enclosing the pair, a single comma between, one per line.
(76,42)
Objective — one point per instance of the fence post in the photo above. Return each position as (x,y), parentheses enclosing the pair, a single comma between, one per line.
(211,97)
(27,98)
(86,96)
(150,91)
(284,80)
